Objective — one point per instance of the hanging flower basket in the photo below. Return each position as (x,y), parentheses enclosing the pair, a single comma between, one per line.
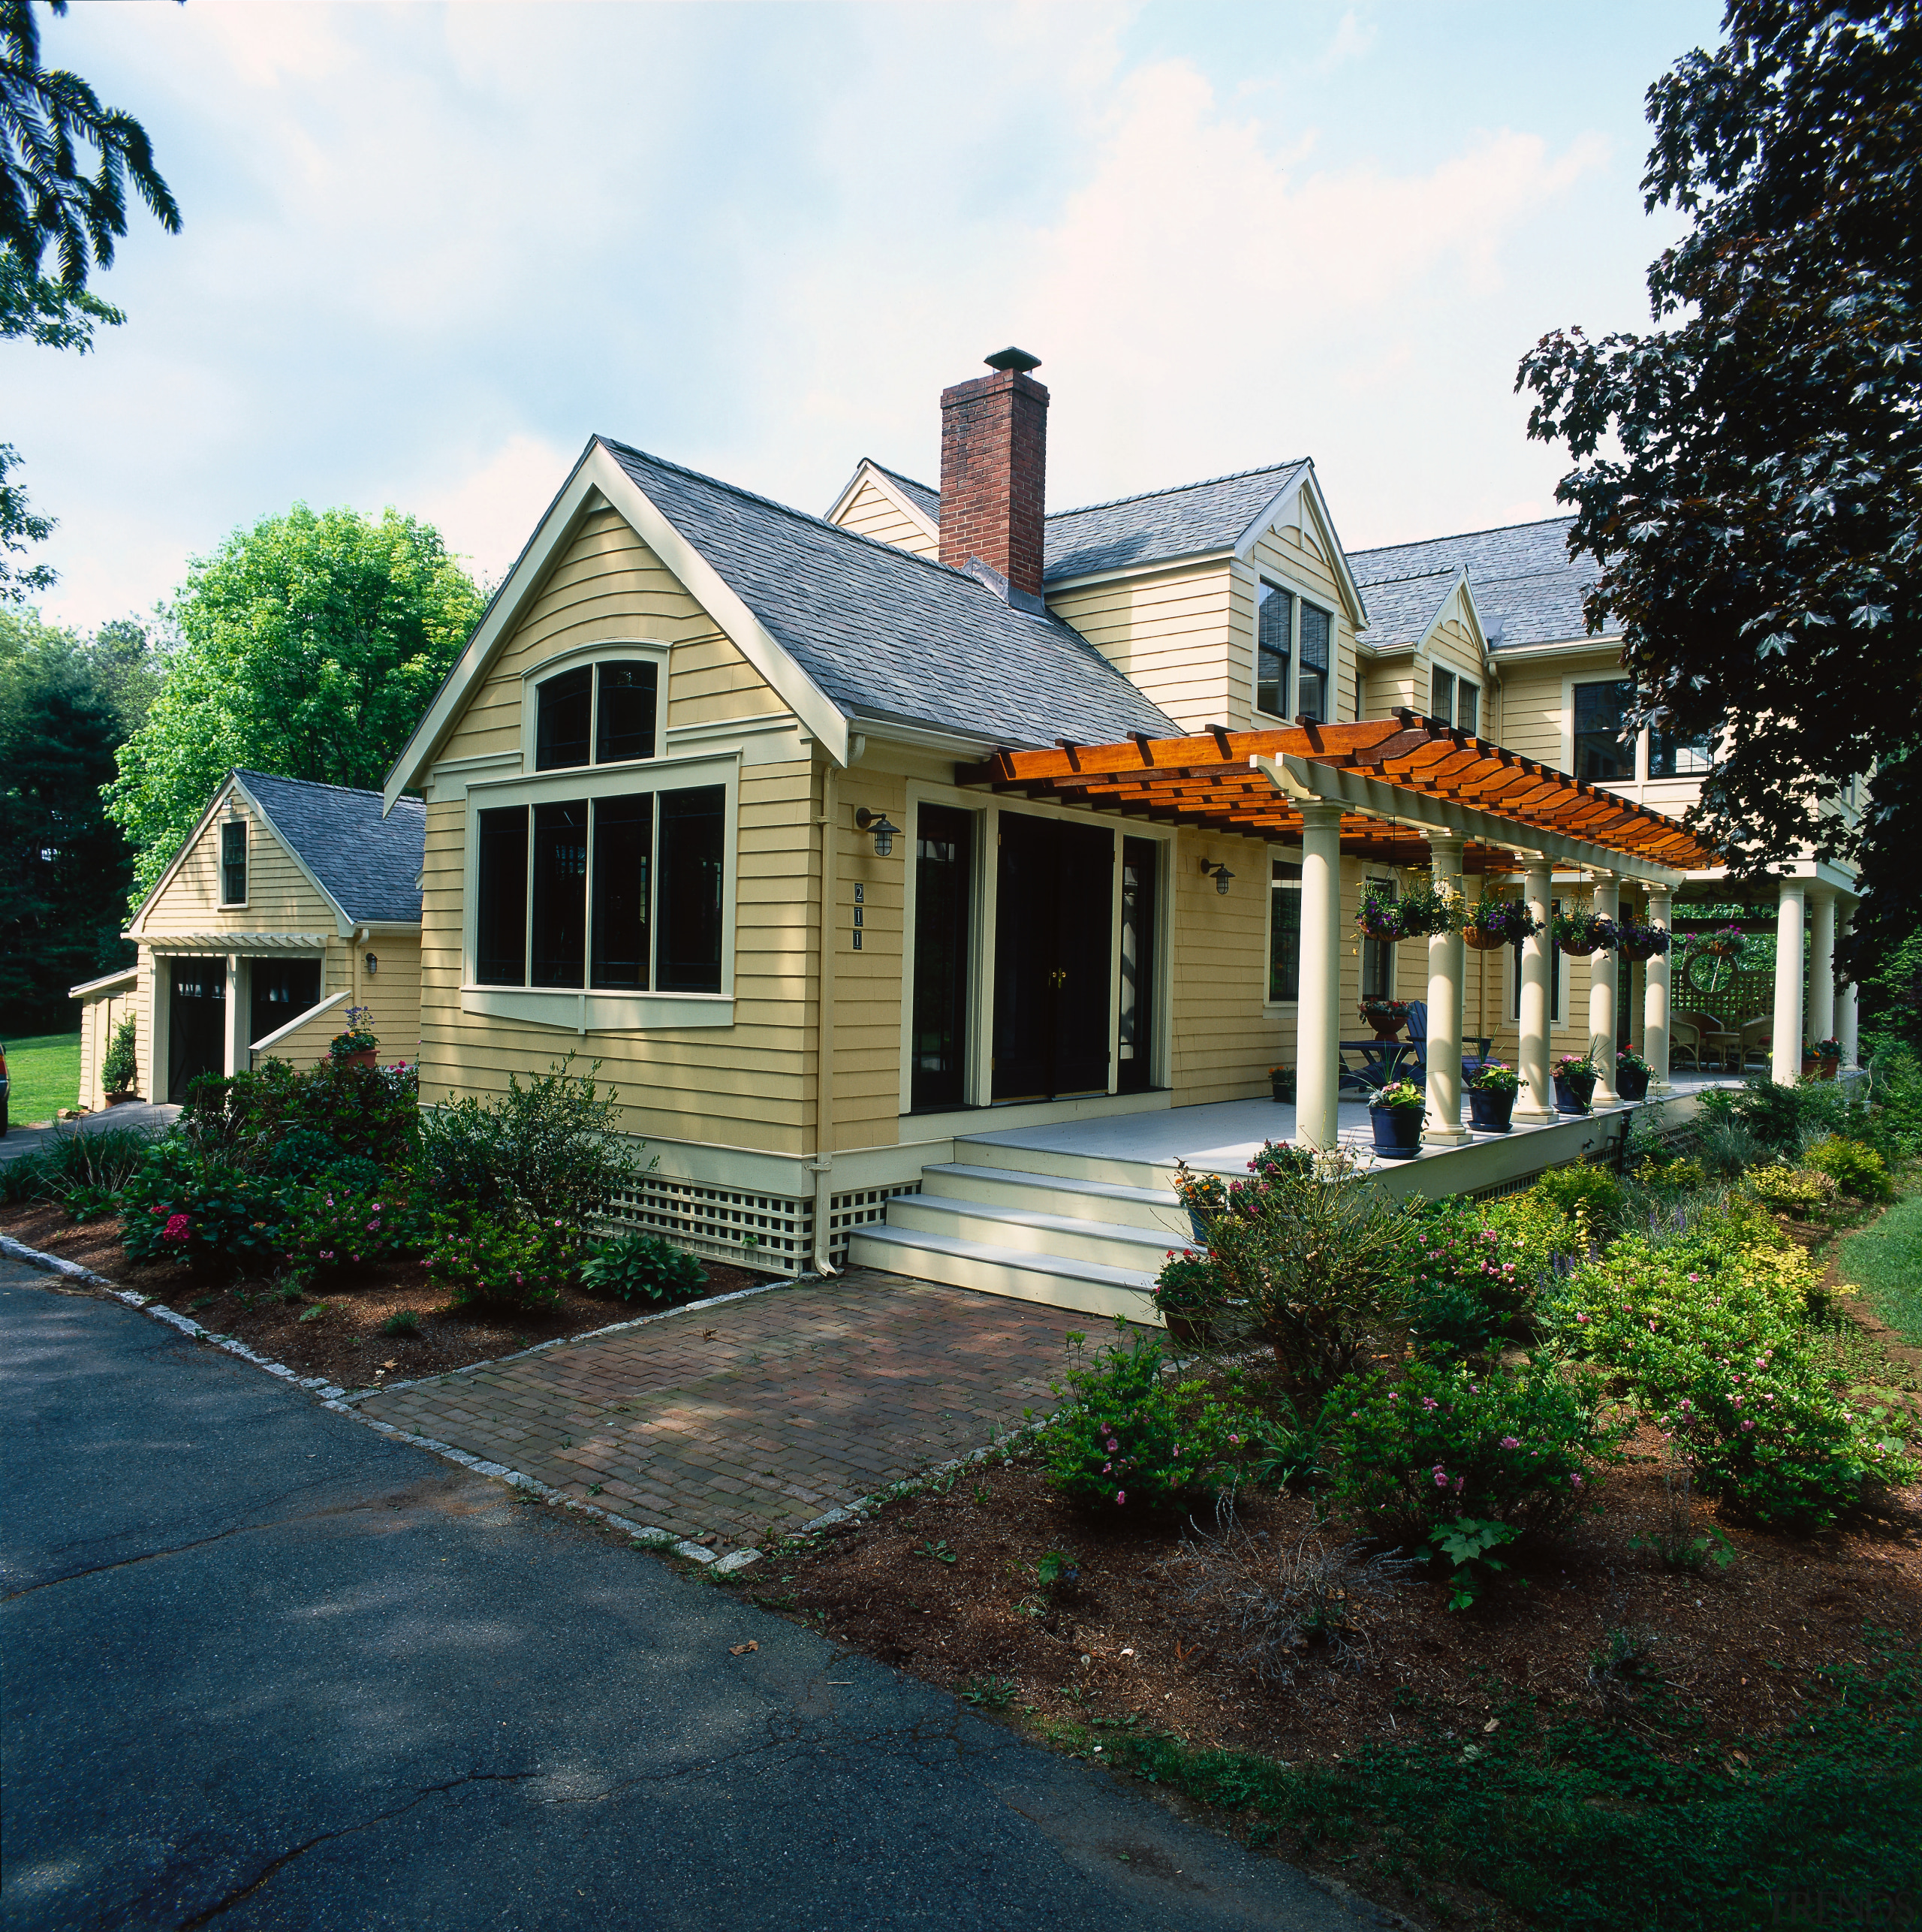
(1380,918)
(1387,1016)
(1425,911)
(1637,939)
(1495,923)
(1579,934)
(1722,942)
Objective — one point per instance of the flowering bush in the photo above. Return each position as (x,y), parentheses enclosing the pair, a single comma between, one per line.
(1187,1285)
(180,1206)
(1708,1332)
(371,1112)
(1460,1287)
(333,1226)
(524,1264)
(1627,1060)
(1129,1437)
(1804,1192)
(1523,1446)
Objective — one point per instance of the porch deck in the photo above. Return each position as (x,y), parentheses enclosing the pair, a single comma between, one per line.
(1080,1214)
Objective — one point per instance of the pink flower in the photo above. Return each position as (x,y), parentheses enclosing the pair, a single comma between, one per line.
(1750,1424)
(1235,1440)
(177,1228)
(1441,1477)
(1113,1446)
(1106,1468)
(1121,1496)
(1510,1442)
(1575,1480)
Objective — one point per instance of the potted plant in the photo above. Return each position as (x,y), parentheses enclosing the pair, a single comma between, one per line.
(118,1069)
(357,1046)
(1187,1293)
(1579,934)
(1632,1074)
(1827,1057)
(1203,1195)
(1491,923)
(1281,1082)
(1719,942)
(1492,1091)
(1387,1016)
(1380,917)
(1425,910)
(1575,1083)
(1395,1113)
(1640,939)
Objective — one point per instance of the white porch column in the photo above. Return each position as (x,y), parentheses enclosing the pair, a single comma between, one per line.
(1446,954)
(1846,1013)
(1603,969)
(1318,1016)
(237,1055)
(1536,1100)
(1655,994)
(1785,1059)
(1821,964)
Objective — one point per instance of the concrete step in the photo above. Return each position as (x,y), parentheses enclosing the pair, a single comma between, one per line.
(990,1224)
(1115,1170)
(1155,1207)
(1089,1288)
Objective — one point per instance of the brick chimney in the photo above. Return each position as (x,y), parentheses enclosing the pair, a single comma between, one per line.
(994,449)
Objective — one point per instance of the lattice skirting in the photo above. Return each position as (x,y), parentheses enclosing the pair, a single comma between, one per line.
(773,1231)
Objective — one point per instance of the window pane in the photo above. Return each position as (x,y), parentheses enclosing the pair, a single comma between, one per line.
(623,848)
(1442,696)
(500,925)
(233,864)
(560,893)
(1468,706)
(625,726)
(944,863)
(1600,754)
(1671,756)
(1312,696)
(1274,634)
(560,734)
(1283,930)
(1378,956)
(688,900)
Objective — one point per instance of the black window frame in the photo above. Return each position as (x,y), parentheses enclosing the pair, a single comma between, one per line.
(1600,746)
(1308,665)
(1279,596)
(592,737)
(1468,697)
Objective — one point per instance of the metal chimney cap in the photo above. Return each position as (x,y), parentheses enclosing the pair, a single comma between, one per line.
(1018,359)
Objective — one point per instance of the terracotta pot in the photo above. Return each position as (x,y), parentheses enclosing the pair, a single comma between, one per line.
(1808,1066)
(120,1099)
(1828,1069)
(1196,1329)
(1397,1131)
(1484,943)
(1490,1112)
(364,1057)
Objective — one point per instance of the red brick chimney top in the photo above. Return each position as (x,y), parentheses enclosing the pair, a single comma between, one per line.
(994,444)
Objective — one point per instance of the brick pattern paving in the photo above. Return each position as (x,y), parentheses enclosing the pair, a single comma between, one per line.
(759,1415)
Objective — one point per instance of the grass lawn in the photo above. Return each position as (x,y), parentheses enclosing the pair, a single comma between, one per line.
(45,1069)
(1884,1260)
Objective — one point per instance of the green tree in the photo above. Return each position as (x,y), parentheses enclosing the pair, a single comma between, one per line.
(65,704)
(308,646)
(1757,520)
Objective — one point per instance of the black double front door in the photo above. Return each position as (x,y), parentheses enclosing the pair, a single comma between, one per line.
(196,1023)
(1054,953)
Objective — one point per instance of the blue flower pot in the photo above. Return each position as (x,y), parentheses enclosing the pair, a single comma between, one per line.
(1397,1131)
(1488,1112)
(1572,1093)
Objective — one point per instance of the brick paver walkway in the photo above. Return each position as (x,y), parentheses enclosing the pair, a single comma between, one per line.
(759,1415)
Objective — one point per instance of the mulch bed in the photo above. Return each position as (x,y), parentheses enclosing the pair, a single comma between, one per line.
(345,1344)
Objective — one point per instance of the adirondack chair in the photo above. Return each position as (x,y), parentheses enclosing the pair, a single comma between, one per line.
(1418,1039)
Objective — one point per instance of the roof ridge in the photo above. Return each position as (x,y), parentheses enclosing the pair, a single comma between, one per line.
(1458,536)
(1175,489)
(901,476)
(1414,576)
(320,784)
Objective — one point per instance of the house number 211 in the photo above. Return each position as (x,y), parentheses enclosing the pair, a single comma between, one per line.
(860,900)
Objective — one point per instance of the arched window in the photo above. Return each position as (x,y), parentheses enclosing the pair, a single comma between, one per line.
(608,709)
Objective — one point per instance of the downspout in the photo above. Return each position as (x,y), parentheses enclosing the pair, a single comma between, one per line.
(822,1165)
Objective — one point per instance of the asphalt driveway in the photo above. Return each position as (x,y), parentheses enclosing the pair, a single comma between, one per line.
(266,1668)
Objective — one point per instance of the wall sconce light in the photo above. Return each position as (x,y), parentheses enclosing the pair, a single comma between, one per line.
(373,964)
(1220,875)
(877,823)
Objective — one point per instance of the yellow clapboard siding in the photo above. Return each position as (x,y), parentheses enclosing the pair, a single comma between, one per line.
(873,513)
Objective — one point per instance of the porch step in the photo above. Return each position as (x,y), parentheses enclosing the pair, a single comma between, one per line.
(1112,1244)
(1110,1170)
(1088,1287)
(1077,1200)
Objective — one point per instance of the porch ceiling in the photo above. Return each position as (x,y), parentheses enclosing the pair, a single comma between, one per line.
(1397,779)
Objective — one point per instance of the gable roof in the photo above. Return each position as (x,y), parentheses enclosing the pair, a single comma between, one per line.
(1189,520)
(368,865)
(1526,587)
(924,497)
(1402,610)
(889,636)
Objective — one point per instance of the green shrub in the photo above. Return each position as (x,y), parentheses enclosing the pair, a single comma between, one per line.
(1524,1446)
(1782,1117)
(1855,1169)
(301,1154)
(1460,1288)
(182,1206)
(550,1151)
(119,1065)
(1804,1192)
(1187,1286)
(331,1228)
(96,1164)
(1581,1186)
(642,1267)
(371,1112)
(1536,1235)
(1127,1438)
(521,1264)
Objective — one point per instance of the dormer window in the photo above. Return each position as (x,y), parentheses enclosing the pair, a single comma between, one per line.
(1453,701)
(1312,693)
(1289,633)
(608,709)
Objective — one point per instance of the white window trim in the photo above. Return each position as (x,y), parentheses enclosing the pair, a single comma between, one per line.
(1643,777)
(1280,580)
(239,905)
(536,675)
(582,1010)
(1274,1009)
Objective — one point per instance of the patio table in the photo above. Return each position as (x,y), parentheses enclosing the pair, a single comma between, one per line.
(1381,1062)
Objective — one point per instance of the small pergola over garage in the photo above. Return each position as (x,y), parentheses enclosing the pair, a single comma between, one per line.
(1408,791)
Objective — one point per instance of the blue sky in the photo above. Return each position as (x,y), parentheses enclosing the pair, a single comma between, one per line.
(428,250)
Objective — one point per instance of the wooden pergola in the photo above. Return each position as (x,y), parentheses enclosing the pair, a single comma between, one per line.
(1397,780)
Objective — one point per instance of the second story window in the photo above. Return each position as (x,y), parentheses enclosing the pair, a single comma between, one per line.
(608,709)
(1468,706)
(1453,701)
(1602,755)
(1671,755)
(1311,698)
(233,863)
(1274,649)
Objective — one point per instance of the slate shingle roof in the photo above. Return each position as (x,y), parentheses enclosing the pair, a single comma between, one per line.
(369,864)
(1401,610)
(1525,584)
(1211,515)
(891,636)
(924,499)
